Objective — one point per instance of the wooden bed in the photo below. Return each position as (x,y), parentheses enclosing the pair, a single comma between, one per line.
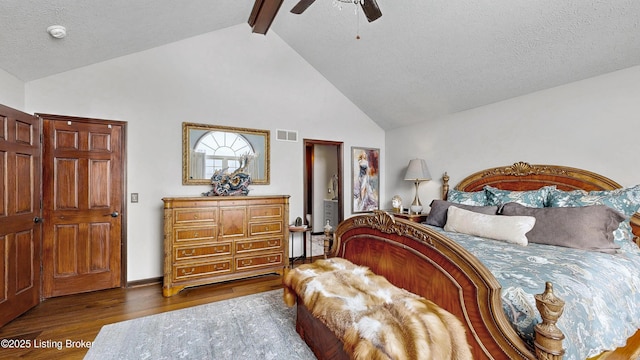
(429,264)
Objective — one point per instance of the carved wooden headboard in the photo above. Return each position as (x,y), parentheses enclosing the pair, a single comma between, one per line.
(524,176)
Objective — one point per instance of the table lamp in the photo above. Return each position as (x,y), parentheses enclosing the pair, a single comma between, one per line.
(417,171)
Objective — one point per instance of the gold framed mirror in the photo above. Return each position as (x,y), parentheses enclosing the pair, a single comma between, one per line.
(207,148)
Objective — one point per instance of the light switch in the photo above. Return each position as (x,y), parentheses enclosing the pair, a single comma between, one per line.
(134,197)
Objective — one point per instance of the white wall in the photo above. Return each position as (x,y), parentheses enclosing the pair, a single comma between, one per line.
(229,77)
(11,91)
(592,124)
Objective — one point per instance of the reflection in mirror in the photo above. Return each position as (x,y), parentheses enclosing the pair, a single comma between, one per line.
(207,148)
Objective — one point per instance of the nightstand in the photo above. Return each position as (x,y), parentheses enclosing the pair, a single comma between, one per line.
(411,217)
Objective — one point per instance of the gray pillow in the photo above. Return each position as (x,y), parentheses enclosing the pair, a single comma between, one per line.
(585,227)
(438,213)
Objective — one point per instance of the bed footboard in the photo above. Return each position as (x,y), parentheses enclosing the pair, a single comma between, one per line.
(319,338)
(429,264)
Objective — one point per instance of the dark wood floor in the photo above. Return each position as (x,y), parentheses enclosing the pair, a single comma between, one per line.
(79,318)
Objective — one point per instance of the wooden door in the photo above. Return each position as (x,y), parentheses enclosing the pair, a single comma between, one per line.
(20,228)
(83,172)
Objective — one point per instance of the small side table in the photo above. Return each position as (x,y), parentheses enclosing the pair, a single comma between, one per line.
(420,218)
(303,230)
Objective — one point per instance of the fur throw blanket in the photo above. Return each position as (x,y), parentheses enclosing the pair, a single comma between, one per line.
(373,318)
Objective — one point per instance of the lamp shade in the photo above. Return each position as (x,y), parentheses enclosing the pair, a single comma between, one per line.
(417,170)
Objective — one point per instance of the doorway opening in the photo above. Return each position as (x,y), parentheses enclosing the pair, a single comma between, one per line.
(323,184)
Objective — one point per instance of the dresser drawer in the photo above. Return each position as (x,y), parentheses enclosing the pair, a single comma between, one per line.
(257,245)
(202,251)
(194,216)
(195,233)
(194,271)
(265,212)
(265,228)
(250,263)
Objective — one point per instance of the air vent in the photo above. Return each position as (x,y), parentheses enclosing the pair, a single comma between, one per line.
(287,135)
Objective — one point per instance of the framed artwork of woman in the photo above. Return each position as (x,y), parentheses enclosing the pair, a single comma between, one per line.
(365,166)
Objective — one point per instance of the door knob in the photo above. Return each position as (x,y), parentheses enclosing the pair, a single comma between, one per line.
(37,220)
(114,214)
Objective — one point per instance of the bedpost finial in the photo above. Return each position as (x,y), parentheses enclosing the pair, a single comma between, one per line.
(548,296)
(548,338)
(445,185)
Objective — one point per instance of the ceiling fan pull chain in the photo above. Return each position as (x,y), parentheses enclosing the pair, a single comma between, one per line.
(357,25)
(358,20)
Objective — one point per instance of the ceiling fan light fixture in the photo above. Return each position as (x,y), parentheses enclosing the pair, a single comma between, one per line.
(57,31)
(370,7)
(338,3)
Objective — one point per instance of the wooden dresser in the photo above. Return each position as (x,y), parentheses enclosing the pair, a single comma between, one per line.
(214,239)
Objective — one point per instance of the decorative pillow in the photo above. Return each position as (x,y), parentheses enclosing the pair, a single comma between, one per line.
(476,198)
(562,198)
(623,232)
(511,229)
(438,213)
(625,200)
(532,198)
(587,227)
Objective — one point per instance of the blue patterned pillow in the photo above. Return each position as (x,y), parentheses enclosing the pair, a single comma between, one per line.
(476,198)
(623,232)
(625,200)
(532,198)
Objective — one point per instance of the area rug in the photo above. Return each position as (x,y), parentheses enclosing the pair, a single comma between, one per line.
(258,326)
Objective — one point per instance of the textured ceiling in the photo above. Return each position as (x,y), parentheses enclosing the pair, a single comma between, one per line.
(423,59)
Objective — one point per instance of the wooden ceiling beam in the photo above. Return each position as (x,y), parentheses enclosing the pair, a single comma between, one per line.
(262,15)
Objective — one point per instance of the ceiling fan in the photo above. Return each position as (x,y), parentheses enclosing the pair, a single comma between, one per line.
(369,7)
(264,11)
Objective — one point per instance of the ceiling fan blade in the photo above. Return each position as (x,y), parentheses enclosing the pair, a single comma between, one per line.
(371,10)
(301,6)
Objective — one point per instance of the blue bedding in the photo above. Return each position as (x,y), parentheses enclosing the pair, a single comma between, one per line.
(601,291)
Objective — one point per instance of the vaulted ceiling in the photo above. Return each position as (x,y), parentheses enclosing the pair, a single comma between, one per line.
(421,60)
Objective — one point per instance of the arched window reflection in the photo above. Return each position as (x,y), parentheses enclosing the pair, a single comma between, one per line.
(221,149)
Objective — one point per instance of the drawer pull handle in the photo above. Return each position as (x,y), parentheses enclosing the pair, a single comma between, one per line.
(196,234)
(219,267)
(219,249)
(185,272)
(270,243)
(247,262)
(246,246)
(272,259)
(191,252)
(195,217)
